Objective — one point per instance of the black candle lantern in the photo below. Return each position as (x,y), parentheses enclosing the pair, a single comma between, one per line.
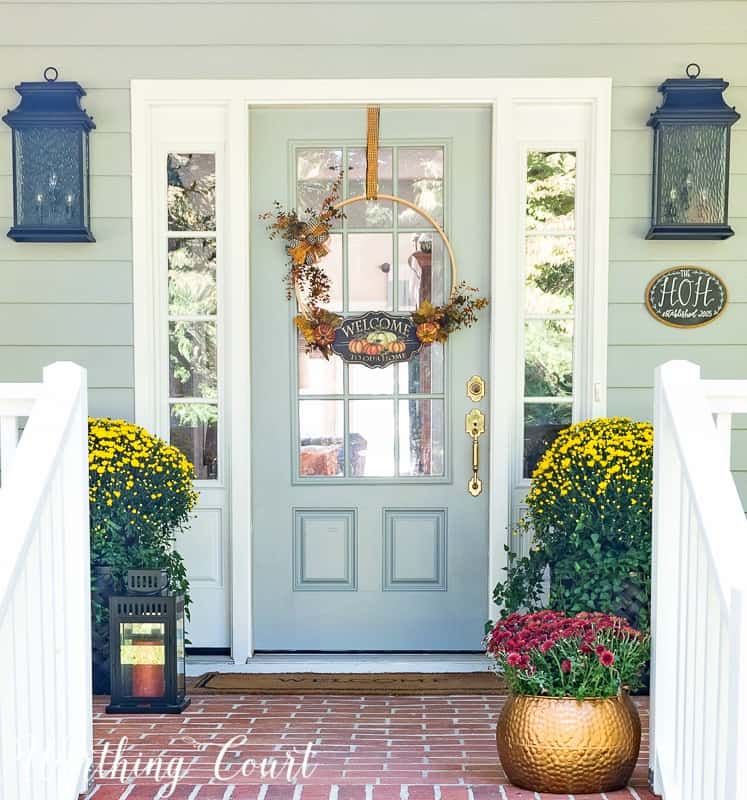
(51,199)
(146,634)
(692,129)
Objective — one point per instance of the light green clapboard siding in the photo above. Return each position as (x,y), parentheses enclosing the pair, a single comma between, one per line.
(105,44)
(240,24)
(109,367)
(102,66)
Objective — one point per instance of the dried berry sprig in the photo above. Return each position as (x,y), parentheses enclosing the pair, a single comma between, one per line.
(306,240)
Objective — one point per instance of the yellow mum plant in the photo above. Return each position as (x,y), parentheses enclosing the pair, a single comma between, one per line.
(589,513)
(141,495)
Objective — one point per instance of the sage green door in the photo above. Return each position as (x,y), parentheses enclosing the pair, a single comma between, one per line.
(365,537)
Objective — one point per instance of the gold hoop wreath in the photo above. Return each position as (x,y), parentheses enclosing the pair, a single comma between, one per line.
(306,245)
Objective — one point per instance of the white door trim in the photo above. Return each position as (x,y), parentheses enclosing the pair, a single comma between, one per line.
(508,99)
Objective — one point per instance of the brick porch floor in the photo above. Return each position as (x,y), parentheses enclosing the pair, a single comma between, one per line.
(363,748)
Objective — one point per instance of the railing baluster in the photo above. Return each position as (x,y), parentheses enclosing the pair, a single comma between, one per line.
(9,710)
(680,652)
(37,655)
(710,687)
(699,593)
(723,673)
(51,698)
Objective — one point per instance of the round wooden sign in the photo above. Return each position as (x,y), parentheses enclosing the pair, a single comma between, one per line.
(686,296)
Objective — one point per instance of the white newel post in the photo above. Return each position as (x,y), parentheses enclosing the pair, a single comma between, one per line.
(46,741)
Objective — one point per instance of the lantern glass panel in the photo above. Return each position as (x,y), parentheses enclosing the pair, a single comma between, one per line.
(181,657)
(142,657)
(49,168)
(692,174)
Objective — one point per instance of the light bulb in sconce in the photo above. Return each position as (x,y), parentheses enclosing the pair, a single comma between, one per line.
(69,204)
(689,182)
(672,206)
(53,181)
(40,205)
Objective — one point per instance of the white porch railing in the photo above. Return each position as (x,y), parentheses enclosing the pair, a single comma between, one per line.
(45,673)
(699,663)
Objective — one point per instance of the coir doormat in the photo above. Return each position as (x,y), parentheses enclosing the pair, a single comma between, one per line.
(392,683)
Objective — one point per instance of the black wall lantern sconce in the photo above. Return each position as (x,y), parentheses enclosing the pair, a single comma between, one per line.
(51,197)
(147,647)
(692,131)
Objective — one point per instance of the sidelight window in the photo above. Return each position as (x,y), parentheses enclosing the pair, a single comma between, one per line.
(549,300)
(192,261)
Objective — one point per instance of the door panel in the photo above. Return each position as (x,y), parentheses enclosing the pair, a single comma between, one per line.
(365,537)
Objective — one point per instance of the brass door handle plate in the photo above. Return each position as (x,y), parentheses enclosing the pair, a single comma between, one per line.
(475,427)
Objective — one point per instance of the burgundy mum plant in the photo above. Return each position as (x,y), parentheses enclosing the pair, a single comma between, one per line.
(549,653)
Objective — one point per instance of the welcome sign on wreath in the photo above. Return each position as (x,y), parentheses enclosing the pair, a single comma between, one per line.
(376,338)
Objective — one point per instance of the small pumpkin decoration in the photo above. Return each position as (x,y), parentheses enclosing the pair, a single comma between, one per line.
(324,334)
(427,332)
(318,330)
(397,346)
(372,349)
(357,346)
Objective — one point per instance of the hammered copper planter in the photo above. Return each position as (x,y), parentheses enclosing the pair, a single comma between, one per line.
(566,746)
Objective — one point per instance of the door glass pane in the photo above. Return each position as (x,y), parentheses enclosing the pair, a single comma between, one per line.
(372,213)
(332,264)
(317,169)
(551,192)
(191,191)
(321,434)
(420,179)
(192,284)
(424,372)
(424,271)
(363,380)
(371,439)
(542,423)
(192,360)
(317,374)
(194,430)
(548,348)
(370,271)
(550,265)
(421,437)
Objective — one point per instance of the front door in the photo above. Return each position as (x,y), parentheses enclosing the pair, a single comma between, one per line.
(365,536)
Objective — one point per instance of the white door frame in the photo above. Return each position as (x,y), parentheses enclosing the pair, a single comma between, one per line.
(170,111)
